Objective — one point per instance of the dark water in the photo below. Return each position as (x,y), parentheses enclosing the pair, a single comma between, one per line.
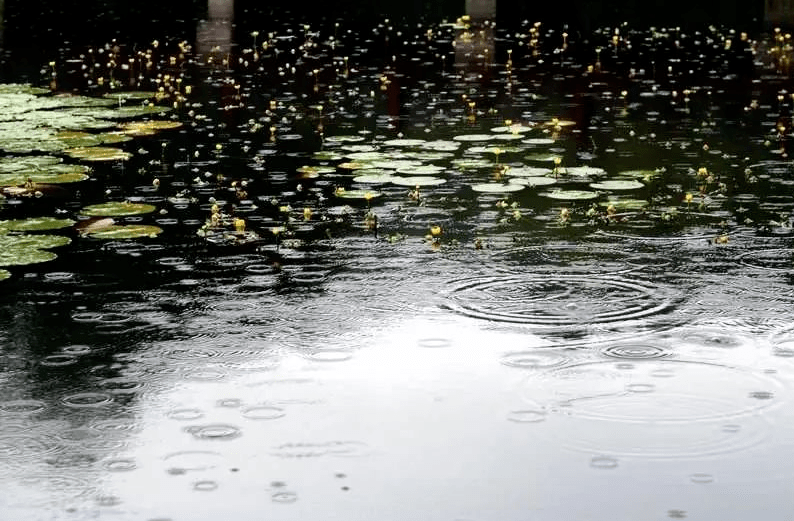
(515,338)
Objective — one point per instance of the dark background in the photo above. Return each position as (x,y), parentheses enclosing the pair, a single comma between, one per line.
(29,23)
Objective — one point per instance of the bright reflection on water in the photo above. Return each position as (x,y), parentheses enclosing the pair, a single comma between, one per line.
(552,371)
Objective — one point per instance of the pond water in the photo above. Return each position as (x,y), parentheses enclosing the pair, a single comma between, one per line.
(428,272)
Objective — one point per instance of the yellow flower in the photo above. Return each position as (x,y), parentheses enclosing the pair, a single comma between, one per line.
(239,225)
(435,231)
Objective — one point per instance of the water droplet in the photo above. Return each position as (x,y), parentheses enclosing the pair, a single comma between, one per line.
(762,395)
(534,360)
(640,388)
(185,414)
(61,360)
(205,486)
(635,351)
(701,478)
(527,416)
(120,465)
(434,343)
(603,462)
(22,406)
(263,412)
(87,400)
(284,497)
(217,431)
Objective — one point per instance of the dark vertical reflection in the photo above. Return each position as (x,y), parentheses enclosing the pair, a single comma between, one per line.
(215,32)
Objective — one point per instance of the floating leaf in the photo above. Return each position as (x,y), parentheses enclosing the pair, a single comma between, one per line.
(32,224)
(364,195)
(20,250)
(528,171)
(473,137)
(539,141)
(420,180)
(119,208)
(404,142)
(4,274)
(125,231)
(626,204)
(571,195)
(125,95)
(21,88)
(375,179)
(497,188)
(617,184)
(421,170)
(344,139)
(310,172)
(98,154)
(148,128)
(585,171)
(534,181)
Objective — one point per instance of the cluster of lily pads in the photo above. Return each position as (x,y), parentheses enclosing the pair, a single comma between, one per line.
(304,133)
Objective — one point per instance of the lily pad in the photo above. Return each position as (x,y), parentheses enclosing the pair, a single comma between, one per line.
(571,195)
(36,224)
(21,88)
(617,184)
(131,95)
(364,195)
(310,172)
(148,128)
(419,180)
(534,180)
(4,274)
(15,164)
(473,137)
(515,128)
(497,188)
(20,250)
(404,142)
(125,231)
(421,170)
(537,141)
(375,179)
(344,139)
(626,204)
(98,154)
(585,171)
(119,208)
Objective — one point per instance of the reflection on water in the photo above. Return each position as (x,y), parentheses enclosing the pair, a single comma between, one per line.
(437,337)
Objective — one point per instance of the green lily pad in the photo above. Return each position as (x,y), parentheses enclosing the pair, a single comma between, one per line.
(375,179)
(125,231)
(125,95)
(98,154)
(441,146)
(585,171)
(467,164)
(541,158)
(78,139)
(148,128)
(473,137)
(55,177)
(617,184)
(344,139)
(26,163)
(4,274)
(21,88)
(626,204)
(404,142)
(20,250)
(534,180)
(539,141)
(419,180)
(528,171)
(368,156)
(119,208)
(421,170)
(396,164)
(515,128)
(325,155)
(363,195)
(497,188)
(310,172)
(571,195)
(32,224)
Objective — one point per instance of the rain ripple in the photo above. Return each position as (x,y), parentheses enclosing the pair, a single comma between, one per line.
(654,408)
(557,299)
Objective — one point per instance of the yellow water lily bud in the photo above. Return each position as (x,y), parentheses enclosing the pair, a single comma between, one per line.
(435,231)
(239,225)
(307,213)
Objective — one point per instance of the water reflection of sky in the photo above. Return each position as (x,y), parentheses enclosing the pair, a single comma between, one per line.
(607,375)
